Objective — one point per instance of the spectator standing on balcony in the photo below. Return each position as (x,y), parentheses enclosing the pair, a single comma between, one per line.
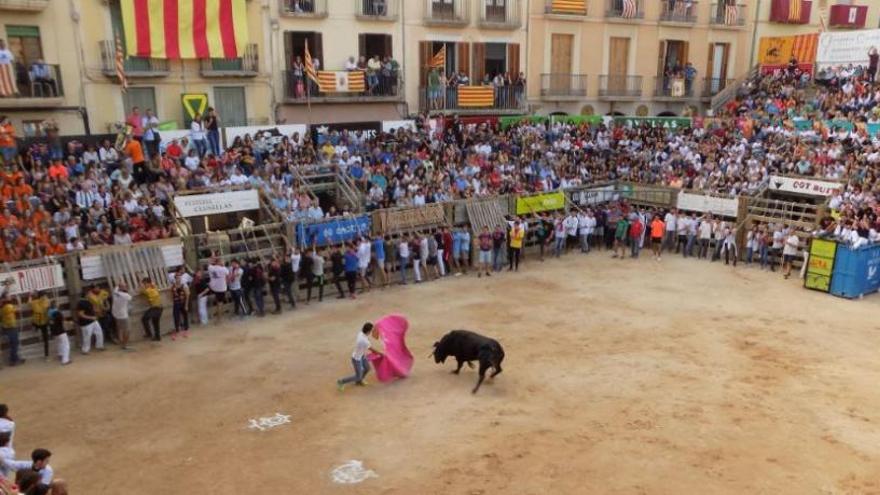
(6,57)
(690,73)
(351,64)
(297,82)
(136,123)
(212,125)
(197,135)
(434,89)
(873,60)
(8,144)
(41,75)
(374,65)
(150,124)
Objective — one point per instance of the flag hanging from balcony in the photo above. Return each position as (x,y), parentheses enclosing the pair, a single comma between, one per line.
(7,80)
(476,96)
(120,65)
(439,59)
(794,10)
(731,13)
(176,29)
(310,66)
(342,81)
(629,9)
(569,7)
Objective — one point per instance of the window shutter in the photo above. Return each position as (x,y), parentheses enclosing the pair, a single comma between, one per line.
(362,45)
(479,63)
(389,46)
(464,58)
(425,56)
(513,60)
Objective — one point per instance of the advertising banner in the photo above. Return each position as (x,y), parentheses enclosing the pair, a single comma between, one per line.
(334,231)
(540,202)
(809,187)
(27,280)
(594,196)
(727,207)
(820,265)
(665,122)
(846,47)
(195,205)
(432,215)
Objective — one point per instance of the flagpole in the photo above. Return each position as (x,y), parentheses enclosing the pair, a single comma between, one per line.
(307,87)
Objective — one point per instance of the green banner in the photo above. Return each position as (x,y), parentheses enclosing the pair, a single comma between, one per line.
(168,126)
(665,122)
(577,119)
(517,119)
(821,265)
(540,202)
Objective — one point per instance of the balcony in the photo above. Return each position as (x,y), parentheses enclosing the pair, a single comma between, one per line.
(135,67)
(714,85)
(566,7)
(300,91)
(673,88)
(450,13)
(500,14)
(304,8)
(624,10)
(563,86)
(246,66)
(679,13)
(376,10)
(790,12)
(616,86)
(33,89)
(24,5)
(728,16)
(848,16)
(473,99)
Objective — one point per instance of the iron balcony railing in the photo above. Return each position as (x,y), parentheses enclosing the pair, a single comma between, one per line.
(728,15)
(714,85)
(304,8)
(625,9)
(673,87)
(563,84)
(246,65)
(616,85)
(565,7)
(500,14)
(380,10)
(134,66)
(34,81)
(447,12)
(681,11)
(512,97)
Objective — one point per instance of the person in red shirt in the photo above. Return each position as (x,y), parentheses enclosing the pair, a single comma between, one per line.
(658,227)
(58,171)
(636,227)
(174,150)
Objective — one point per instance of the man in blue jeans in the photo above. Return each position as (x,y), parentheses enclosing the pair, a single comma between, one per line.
(359,360)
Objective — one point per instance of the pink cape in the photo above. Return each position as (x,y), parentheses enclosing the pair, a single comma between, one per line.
(397,361)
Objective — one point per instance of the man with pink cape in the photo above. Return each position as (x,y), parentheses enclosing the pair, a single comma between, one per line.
(396,361)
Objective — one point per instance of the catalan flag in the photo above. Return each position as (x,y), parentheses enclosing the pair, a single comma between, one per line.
(120,65)
(568,7)
(439,59)
(310,66)
(176,29)
(804,48)
(7,80)
(731,13)
(476,96)
(630,9)
(342,81)
(794,10)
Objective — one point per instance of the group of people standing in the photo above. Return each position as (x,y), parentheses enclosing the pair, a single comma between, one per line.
(25,477)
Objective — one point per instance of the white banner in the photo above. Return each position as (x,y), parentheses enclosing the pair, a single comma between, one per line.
(726,207)
(27,280)
(393,125)
(93,269)
(595,196)
(809,187)
(846,47)
(284,130)
(195,205)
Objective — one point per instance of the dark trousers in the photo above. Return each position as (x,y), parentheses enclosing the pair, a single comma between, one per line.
(181,317)
(351,279)
(287,287)
(12,341)
(151,318)
(246,297)
(514,258)
(337,281)
(44,333)
(258,300)
(238,302)
(275,290)
(312,282)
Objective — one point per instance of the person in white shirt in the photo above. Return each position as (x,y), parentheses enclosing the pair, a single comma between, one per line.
(683,223)
(7,453)
(39,463)
(217,282)
(234,280)
(789,252)
(359,360)
(7,425)
(364,254)
(197,135)
(671,221)
(403,256)
(583,231)
(570,223)
(120,312)
(6,57)
(705,236)
(778,239)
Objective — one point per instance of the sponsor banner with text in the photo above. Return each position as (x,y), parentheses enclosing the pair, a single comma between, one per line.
(195,205)
(540,202)
(809,187)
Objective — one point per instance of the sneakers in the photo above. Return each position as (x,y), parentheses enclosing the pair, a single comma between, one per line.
(340,386)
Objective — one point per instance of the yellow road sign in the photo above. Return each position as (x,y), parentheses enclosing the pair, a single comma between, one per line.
(194,103)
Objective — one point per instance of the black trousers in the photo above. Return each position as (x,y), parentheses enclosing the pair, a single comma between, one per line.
(181,317)
(44,333)
(311,282)
(151,318)
(275,289)
(287,287)
(337,281)
(351,279)
(246,297)
(514,258)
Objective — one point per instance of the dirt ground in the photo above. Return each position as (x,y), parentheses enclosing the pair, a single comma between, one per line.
(621,377)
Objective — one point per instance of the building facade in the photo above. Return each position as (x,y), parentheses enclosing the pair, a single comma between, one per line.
(77,41)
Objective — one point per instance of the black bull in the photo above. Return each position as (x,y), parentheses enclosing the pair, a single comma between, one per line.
(467,346)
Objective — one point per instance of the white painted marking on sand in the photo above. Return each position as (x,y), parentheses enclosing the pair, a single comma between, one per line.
(269,422)
(352,472)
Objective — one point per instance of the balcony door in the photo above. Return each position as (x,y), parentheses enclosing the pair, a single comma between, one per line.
(618,64)
(560,62)
(717,66)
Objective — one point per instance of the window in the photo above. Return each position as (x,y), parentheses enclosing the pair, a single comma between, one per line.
(24,43)
(375,44)
(229,101)
(496,59)
(32,128)
(442,9)
(295,46)
(142,98)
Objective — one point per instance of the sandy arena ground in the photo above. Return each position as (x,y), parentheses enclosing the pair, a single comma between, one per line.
(621,377)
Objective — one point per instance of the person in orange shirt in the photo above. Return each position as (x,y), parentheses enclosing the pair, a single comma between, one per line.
(22,190)
(6,190)
(135,153)
(58,171)
(8,220)
(55,248)
(658,227)
(8,147)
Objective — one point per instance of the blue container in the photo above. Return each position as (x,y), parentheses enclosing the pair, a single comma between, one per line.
(856,271)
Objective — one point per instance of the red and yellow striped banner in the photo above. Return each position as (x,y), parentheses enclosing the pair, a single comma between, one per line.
(476,96)
(794,10)
(569,6)
(176,29)
(804,48)
(342,81)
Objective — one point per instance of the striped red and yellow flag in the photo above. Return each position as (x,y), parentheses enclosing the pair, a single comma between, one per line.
(439,58)
(7,80)
(310,66)
(120,64)
(176,29)
(794,10)
(804,48)
(476,96)
(342,81)
(569,6)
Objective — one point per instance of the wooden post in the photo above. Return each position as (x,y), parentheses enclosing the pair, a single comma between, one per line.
(191,252)
(72,279)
